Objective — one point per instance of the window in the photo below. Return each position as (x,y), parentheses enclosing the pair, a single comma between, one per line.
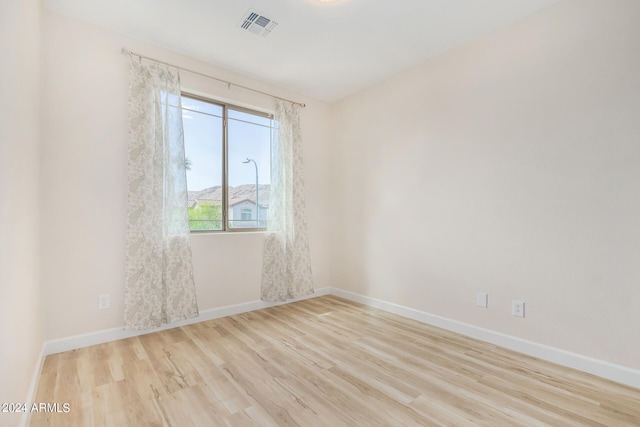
(228,163)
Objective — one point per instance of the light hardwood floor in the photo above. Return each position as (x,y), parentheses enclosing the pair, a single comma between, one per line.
(321,362)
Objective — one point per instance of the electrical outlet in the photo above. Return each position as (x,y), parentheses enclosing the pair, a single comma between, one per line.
(103,302)
(481,299)
(517,308)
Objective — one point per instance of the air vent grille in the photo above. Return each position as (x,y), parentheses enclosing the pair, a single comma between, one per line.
(257,23)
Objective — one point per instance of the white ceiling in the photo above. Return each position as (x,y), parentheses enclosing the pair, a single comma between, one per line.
(323,50)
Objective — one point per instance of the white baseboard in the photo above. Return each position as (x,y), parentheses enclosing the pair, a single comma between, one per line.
(611,371)
(601,368)
(107,335)
(33,387)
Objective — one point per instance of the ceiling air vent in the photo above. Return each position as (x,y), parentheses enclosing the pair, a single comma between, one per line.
(257,23)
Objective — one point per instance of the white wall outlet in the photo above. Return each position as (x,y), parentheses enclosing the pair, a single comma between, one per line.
(517,308)
(481,299)
(103,302)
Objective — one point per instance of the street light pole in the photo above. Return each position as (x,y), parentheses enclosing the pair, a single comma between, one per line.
(257,202)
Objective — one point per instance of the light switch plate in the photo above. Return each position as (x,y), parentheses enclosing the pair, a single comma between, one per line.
(481,299)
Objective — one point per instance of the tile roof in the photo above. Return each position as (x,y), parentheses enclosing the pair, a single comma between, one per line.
(213,195)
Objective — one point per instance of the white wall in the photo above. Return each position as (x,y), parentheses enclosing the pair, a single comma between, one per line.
(84,169)
(20,309)
(517,156)
(518,159)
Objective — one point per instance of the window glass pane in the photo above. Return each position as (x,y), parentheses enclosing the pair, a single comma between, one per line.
(203,133)
(201,106)
(248,117)
(249,145)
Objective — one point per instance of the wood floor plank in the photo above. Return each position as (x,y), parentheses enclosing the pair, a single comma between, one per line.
(324,361)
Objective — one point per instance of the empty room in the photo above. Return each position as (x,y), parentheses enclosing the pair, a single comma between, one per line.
(320,213)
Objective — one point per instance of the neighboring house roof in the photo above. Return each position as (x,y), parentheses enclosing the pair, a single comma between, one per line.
(210,194)
(213,195)
(238,200)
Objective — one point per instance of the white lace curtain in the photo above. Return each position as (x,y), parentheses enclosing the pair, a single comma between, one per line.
(159,284)
(286,270)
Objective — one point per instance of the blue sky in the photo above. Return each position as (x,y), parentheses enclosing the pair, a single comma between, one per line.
(249,137)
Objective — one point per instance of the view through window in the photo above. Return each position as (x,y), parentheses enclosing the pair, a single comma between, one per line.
(228,162)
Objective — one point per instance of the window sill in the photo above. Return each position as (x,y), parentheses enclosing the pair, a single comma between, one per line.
(206,232)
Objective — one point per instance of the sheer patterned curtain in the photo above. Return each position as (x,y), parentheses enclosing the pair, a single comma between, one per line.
(159,284)
(286,271)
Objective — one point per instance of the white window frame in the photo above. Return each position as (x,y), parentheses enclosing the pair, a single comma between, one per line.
(225,166)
